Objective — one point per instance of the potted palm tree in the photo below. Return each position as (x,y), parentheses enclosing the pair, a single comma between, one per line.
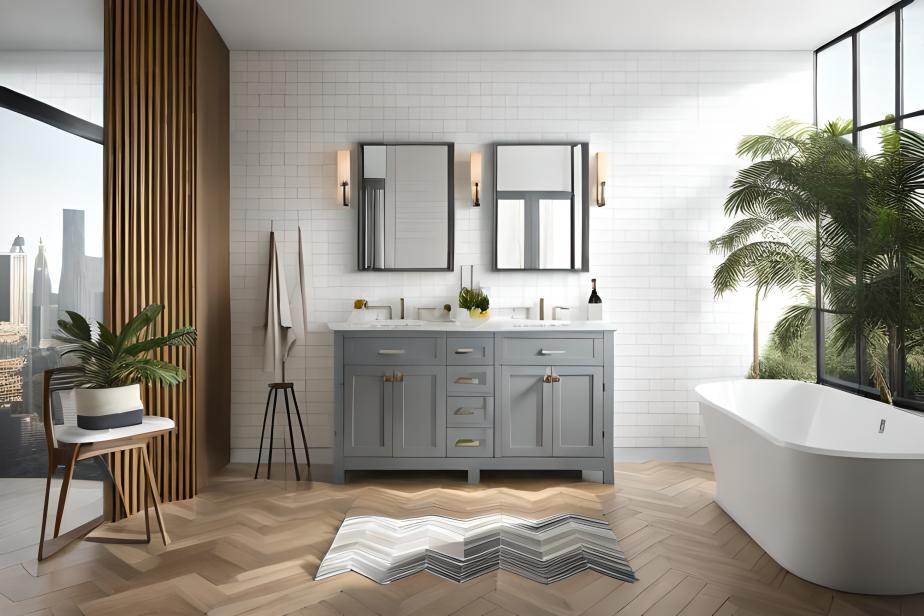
(112,366)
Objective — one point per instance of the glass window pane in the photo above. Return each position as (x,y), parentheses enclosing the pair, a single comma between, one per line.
(511,234)
(51,252)
(916,124)
(871,140)
(835,80)
(913,40)
(877,70)
(840,359)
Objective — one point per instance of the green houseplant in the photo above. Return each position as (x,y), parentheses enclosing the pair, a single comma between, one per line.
(112,365)
(475,301)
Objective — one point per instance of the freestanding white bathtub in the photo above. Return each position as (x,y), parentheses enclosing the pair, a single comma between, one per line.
(817,479)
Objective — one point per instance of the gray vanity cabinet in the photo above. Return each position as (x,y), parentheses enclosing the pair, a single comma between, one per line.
(419,408)
(442,397)
(368,400)
(525,409)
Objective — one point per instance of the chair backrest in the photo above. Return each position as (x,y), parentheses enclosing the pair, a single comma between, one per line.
(57,381)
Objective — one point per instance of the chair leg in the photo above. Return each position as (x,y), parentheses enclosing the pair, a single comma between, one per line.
(256,471)
(68,474)
(51,472)
(285,397)
(301,426)
(152,490)
(269,463)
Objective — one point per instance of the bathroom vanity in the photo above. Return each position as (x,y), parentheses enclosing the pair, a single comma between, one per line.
(515,395)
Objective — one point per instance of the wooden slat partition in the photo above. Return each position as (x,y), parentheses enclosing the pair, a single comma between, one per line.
(150,216)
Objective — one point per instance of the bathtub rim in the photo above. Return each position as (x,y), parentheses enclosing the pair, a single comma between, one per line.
(835,453)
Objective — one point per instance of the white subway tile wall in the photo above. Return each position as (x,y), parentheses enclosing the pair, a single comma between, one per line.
(670,121)
(69,80)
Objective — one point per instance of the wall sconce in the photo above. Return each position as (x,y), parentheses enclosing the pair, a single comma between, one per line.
(343,177)
(476,178)
(603,169)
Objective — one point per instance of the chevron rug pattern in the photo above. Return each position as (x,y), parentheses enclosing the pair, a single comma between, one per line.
(548,550)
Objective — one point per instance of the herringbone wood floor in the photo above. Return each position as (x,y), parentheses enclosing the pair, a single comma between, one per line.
(251,547)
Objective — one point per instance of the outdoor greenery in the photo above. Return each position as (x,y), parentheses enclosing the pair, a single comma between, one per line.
(109,359)
(809,189)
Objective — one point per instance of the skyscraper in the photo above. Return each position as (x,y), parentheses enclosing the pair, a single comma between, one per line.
(14,321)
(44,301)
(14,284)
(73,293)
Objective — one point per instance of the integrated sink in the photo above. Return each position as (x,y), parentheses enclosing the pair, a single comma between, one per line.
(536,323)
(396,323)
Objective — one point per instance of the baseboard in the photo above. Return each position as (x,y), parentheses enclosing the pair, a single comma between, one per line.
(663,454)
(319,455)
(325,455)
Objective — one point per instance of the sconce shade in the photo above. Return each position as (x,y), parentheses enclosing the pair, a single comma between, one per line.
(476,178)
(343,178)
(603,170)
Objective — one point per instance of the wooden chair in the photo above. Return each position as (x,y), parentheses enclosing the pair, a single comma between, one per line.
(68,444)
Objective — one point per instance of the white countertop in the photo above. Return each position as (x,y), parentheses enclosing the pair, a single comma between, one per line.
(489,325)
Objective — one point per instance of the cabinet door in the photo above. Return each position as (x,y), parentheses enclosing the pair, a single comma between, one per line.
(525,409)
(367,411)
(420,411)
(577,406)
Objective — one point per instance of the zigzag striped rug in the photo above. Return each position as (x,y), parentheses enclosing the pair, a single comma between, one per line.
(547,550)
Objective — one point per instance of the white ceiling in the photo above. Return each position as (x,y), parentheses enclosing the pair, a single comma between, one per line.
(535,24)
(53,25)
(468,24)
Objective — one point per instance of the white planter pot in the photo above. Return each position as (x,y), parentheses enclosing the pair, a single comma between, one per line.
(114,407)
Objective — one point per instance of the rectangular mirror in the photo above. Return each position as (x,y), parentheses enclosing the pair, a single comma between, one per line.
(406,213)
(541,207)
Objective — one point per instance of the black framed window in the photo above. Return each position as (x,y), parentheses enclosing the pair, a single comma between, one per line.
(51,260)
(873,77)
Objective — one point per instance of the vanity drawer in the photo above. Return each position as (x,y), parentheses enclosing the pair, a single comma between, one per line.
(405,350)
(470,411)
(470,380)
(575,350)
(469,351)
(469,442)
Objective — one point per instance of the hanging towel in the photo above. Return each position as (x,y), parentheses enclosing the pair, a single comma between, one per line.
(280,337)
(303,283)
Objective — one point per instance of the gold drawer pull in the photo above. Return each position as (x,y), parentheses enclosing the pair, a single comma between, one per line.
(464,351)
(551,378)
(464,411)
(467,380)
(391,351)
(467,442)
(389,378)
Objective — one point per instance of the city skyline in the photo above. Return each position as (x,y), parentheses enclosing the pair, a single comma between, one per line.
(29,311)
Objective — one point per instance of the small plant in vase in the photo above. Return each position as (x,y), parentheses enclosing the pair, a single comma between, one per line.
(476,302)
(113,365)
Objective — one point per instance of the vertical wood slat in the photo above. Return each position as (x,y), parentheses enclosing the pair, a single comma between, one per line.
(150,222)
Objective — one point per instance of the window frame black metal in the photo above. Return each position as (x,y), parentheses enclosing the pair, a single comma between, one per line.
(43,112)
(897,381)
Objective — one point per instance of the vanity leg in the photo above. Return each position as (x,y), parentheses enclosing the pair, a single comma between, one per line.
(474,476)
